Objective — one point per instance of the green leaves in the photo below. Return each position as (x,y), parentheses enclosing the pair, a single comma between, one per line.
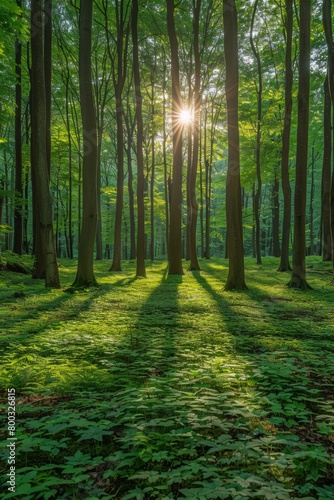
(163,389)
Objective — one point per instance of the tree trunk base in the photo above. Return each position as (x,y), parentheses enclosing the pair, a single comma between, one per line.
(115,269)
(284,268)
(239,287)
(176,273)
(194,267)
(299,283)
(81,284)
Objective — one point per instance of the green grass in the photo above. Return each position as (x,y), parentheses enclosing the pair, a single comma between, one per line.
(169,387)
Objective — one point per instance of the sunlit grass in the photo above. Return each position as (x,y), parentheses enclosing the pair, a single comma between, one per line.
(201,389)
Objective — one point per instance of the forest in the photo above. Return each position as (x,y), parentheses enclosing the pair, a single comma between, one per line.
(166,249)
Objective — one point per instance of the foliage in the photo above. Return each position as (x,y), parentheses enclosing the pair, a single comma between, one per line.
(11,21)
(169,387)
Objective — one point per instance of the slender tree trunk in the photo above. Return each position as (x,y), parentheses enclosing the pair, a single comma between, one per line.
(166,174)
(26,214)
(2,188)
(257,197)
(117,257)
(327,22)
(70,187)
(175,237)
(284,263)
(152,180)
(311,222)
(99,242)
(207,171)
(39,151)
(194,265)
(141,270)
(130,125)
(276,251)
(326,177)
(131,198)
(298,277)
(122,44)
(18,222)
(48,75)
(201,203)
(236,278)
(85,270)
(189,157)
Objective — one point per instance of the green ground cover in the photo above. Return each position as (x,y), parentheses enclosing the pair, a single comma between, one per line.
(169,387)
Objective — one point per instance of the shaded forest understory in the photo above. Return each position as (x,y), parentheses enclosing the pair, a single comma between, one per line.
(167,387)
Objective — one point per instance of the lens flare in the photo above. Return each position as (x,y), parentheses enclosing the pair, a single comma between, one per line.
(186,117)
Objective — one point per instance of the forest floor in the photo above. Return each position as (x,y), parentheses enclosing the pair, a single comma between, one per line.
(168,387)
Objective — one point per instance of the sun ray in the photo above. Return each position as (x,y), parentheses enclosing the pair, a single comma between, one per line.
(186,117)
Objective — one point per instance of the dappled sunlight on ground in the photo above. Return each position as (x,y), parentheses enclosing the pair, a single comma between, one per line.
(170,386)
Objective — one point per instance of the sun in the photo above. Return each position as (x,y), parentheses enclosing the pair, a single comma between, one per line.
(186,117)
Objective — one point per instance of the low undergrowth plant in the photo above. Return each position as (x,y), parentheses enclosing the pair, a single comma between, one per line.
(168,387)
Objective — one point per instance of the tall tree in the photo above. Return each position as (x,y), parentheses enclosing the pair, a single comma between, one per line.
(48,74)
(175,235)
(85,270)
(141,271)
(259,91)
(194,265)
(119,76)
(298,277)
(153,160)
(276,251)
(236,275)
(130,128)
(284,263)
(328,183)
(326,177)
(43,201)
(18,220)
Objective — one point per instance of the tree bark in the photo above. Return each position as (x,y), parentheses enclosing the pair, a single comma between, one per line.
(166,173)
(236,277)
(85,271)
(194,265)
(18,220)
(48,75)
(130,132)
(311,209)
(284,263)
(298,277)
(120,64)
(275,211)
(141,270)
(175,236)
(42,194)
(257,197)
(326,177)
(327,22)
